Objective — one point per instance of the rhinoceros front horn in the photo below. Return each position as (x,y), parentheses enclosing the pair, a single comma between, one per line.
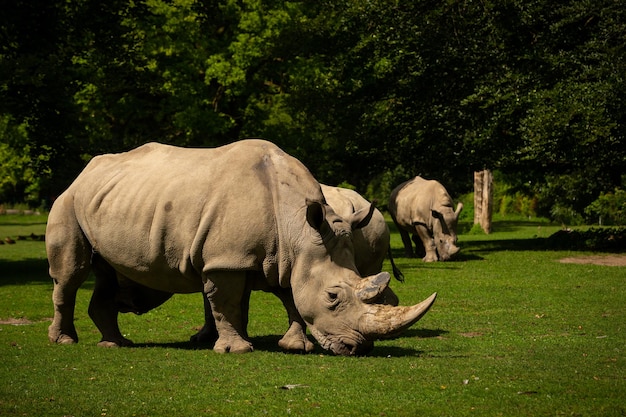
(387,321)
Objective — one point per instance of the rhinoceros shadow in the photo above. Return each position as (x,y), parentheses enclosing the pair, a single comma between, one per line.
(424,333)
(269,343)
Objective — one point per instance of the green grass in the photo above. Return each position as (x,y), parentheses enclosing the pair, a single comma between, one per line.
(513,332)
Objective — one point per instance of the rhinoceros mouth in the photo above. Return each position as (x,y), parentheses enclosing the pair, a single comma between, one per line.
(355,345)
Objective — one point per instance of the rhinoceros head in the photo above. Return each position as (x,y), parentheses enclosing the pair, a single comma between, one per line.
(444,231)
(337,304)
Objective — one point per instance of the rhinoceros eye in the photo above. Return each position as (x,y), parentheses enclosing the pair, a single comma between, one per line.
(332,298)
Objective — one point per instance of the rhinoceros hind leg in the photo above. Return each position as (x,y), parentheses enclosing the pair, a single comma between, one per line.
(103,309)
(406,241)
(229,298)
(208,333)
(69,253)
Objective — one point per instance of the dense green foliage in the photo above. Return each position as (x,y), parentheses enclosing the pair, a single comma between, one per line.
(364,92)
(513,332)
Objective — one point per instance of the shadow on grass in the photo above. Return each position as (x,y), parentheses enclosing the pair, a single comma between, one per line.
(423,333)
(508,245)
(269,343)
(30,271)
(24,271)
(24,223)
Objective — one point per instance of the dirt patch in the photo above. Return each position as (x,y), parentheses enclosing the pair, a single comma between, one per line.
(19,322)
(471,334)
(605,260)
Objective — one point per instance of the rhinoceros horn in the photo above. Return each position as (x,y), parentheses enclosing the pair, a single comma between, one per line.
(383,320)
(369,288)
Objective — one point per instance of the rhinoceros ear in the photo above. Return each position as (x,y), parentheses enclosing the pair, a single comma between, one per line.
(459,207)
(361,218)
(315,214)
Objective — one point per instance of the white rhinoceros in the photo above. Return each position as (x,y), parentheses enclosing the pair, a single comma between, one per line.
(423,208)
(160,220)
(371,242)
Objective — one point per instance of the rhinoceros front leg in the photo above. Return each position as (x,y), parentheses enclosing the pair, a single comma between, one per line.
(208,332)
(428,242)
(229,298)
(103,308)
(295,340)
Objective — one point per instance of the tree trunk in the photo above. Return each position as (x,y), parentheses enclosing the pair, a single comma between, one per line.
(483,199)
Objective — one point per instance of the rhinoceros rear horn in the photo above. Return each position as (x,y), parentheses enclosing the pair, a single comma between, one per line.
(371,287)
(384,320)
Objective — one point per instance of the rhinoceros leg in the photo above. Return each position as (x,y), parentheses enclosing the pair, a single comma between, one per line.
(295,339)
(406,241)
(208,333)
(103,308)
(229,298)
(69,256)
(428,242)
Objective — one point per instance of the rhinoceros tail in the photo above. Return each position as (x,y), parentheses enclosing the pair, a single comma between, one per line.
(397,274)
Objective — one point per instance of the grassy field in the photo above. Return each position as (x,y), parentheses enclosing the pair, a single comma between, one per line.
(513,332)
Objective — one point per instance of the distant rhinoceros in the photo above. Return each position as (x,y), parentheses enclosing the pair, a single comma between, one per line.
(160,220)
(423,208)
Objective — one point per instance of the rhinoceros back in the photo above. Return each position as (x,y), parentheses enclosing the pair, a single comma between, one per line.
(161,215)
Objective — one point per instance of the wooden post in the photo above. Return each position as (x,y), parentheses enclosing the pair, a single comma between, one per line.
(478,196)
(483,199)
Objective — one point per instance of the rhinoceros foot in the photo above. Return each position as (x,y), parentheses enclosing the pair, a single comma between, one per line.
(58,336)
(430,257)
(64,339)
(295,339)
(232,345)
(117,343)
(296,344)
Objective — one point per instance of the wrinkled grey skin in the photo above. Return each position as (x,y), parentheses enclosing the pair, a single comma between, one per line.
(423,208)
(371,245)
(371,242)
(160,220)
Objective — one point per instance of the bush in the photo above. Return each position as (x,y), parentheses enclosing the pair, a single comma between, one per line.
(565,215)
(595,239)
(609,208)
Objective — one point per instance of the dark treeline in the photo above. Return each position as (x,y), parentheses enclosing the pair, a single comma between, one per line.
(364,92)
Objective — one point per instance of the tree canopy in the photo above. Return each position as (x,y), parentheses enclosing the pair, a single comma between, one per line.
(365,92)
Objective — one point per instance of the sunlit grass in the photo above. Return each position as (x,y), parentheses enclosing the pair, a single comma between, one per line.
(513,332)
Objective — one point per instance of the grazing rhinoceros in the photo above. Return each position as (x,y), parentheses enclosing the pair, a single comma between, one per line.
(371,242)
(160,220)
(424,209)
